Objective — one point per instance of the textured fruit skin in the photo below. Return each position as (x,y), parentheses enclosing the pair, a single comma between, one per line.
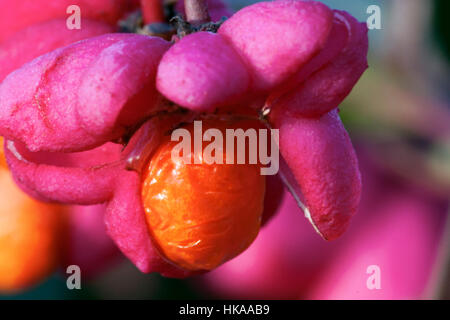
(50,35)
(84,65)
(31,236)
(299,31)
(320,154)
(60,109)
(44,175)
(202,215)
(198,66)
(324,82)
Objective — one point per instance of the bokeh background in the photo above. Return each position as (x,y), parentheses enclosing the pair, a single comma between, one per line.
(399,119)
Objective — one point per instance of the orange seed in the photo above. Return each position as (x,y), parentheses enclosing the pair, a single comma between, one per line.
(202,215)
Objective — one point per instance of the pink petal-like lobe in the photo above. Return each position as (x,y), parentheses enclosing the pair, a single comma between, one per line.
(323,88)
(201,72)
(44,37)
(47,104)
(277,38)
(83,178)
(322,159)
(118,90)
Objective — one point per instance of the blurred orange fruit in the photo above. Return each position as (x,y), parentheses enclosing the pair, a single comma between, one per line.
(31,235)
(2,155)
(202,215)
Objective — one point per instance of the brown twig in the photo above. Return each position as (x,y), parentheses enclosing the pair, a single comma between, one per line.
(196,11)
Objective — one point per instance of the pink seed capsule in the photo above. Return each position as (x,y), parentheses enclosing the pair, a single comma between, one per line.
(323,163)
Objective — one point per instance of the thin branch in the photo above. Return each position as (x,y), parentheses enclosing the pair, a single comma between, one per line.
(196,11)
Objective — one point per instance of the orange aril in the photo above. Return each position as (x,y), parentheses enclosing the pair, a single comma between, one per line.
(2,155)
(30,237)
(202,215)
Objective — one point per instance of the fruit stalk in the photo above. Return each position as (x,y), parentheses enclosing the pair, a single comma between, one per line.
(196,11)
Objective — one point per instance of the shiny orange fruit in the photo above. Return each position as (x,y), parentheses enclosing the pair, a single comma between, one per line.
(30,237)
(2,155)
(202,215)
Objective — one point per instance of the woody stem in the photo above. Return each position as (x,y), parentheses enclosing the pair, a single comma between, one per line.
(196,11)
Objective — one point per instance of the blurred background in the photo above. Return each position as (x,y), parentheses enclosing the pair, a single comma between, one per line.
(398,116)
